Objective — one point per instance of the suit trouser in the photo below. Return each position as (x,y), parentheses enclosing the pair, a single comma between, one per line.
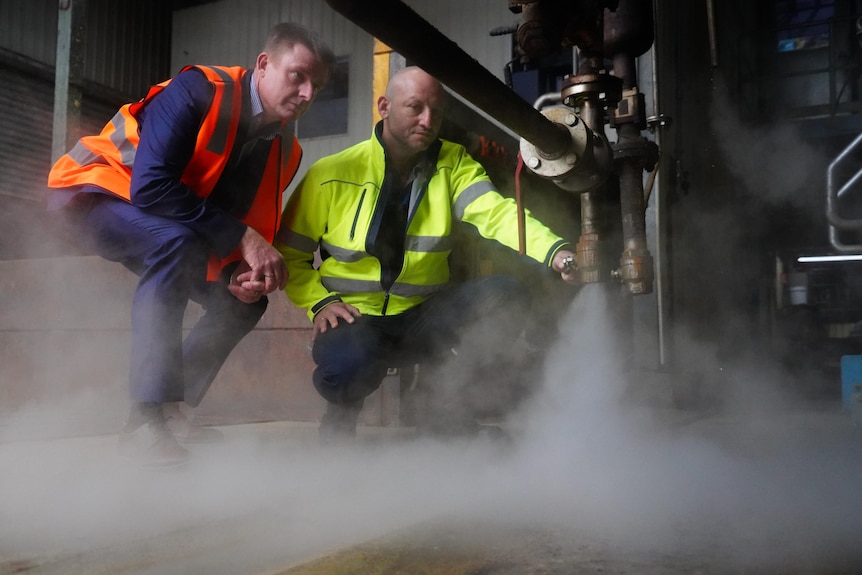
(479,319)
(171,262)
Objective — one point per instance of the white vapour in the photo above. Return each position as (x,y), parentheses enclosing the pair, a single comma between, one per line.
(774,161)
(748,491)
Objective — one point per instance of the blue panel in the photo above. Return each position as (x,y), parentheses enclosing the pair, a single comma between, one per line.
(851,382)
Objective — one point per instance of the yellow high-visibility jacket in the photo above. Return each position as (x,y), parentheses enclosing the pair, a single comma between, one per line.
(335,208)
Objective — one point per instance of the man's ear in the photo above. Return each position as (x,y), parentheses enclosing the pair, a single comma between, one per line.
(383,106)
(262,61)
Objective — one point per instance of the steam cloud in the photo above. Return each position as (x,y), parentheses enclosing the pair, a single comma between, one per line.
(750,489)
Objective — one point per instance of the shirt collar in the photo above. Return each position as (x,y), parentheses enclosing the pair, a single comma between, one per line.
(256,106)
(427,160)
(267,132)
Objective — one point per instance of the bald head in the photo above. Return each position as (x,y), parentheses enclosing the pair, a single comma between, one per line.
(413,77)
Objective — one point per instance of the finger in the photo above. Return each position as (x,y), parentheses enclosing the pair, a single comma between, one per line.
(245,276)
(254,285)
(243,295)
(279,274)
(270,284)
(348,316)
(319,327)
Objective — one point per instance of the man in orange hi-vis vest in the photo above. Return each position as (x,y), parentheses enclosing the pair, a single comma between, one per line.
(184,188)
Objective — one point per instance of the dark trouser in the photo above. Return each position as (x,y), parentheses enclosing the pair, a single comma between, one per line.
(478,319)
(171,262)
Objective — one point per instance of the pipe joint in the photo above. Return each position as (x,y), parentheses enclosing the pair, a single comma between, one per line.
(582,165)
(600,87)
(636,271)
(644,151)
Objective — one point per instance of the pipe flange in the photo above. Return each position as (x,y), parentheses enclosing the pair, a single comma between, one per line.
(603,87)
(584,164)
(639,149)
(558,165)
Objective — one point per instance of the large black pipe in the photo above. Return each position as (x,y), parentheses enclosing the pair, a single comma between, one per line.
(403,30)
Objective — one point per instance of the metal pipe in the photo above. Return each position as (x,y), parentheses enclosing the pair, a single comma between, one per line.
(547,99)
(836,222)
(710,25)
(632,154)
(587,248)
(405,31)
(661,232)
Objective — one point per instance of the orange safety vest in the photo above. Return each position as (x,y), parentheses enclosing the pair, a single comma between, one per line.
(106,160)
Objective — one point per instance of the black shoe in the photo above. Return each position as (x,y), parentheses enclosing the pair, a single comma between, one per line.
(338,423)
(151,445)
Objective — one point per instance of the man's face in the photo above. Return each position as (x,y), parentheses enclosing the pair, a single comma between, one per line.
(288,81)
(413,114)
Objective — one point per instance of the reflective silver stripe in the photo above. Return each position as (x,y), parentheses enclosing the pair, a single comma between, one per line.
(469,195)
(300,242)
(342,285)
(218,142)
(118,138)
(410,290)
(428,243)
(84,156)
(342,254)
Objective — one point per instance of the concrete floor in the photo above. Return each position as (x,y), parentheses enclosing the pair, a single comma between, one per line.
(601,476)
(633,491)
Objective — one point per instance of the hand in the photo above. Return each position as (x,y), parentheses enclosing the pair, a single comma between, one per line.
(328,317)
(263,269)
(240,276)
(565,263)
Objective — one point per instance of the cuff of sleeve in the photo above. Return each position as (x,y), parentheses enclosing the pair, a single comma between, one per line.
(323,303)
(560,245)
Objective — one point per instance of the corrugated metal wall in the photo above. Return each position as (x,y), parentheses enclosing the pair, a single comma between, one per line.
(468,24)
(231,32)
(29,28)
(126,51)
(127,42)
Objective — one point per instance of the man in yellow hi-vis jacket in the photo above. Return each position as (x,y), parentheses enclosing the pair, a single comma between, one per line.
(381,214)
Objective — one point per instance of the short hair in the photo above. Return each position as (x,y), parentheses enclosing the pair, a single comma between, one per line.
(290,33)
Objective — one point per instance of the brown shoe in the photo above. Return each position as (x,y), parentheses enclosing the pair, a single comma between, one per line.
(151,445)
(185,431)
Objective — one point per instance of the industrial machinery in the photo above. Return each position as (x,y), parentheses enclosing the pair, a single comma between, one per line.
(564,144)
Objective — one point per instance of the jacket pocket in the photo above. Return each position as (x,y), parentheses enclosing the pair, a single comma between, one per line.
(356,215)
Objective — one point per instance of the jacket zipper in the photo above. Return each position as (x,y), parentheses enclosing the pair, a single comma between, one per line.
(356,216)
(385,302)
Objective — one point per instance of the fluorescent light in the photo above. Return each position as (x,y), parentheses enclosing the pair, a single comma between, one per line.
(821,259)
